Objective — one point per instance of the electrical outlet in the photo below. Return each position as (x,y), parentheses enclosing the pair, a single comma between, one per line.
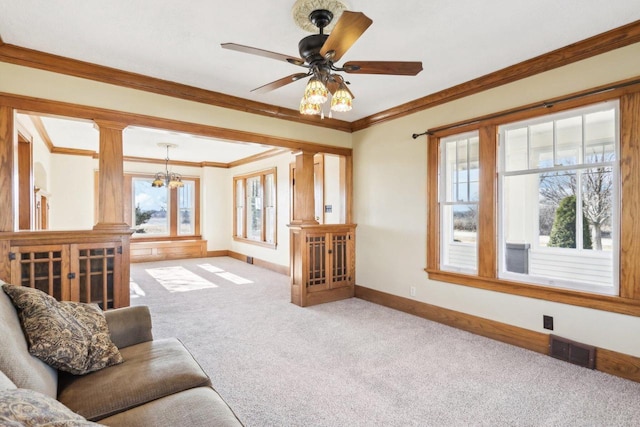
(413,291)
(547,322)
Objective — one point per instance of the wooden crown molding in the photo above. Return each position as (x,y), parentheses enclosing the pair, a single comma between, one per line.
(39,106)
(59,64)
(596,45)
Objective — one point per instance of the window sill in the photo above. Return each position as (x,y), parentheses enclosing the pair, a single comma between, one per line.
(565,296)
(255,242)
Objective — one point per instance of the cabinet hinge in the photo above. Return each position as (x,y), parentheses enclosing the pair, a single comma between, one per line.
(120,249)
(71,276)
(12,256)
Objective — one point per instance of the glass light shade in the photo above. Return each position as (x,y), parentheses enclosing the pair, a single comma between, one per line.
(308,108)
(175,181)
(341,100)
(316,92)
(157,182)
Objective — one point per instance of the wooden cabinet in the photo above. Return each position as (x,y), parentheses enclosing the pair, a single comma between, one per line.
(322,263)
(71,266)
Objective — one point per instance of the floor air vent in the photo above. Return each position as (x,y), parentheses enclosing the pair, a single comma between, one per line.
(572,352)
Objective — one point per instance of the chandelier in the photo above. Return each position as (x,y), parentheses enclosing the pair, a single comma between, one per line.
(316,94)
(170,179)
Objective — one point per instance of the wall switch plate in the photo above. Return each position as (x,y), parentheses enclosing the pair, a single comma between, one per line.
(413,291)
(547,322)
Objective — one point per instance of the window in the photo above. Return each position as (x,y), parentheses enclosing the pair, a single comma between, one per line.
(255,207)
(459,203)
(162,211)
(558,200)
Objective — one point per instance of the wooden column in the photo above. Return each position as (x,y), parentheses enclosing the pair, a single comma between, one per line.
(630,201)
(8,170)
(303,190)
(8,184)
(110,177)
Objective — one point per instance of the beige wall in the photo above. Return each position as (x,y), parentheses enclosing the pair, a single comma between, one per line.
(390,208)
(389,186)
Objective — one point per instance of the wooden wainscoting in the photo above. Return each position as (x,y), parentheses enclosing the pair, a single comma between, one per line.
(168,249)
(610,362)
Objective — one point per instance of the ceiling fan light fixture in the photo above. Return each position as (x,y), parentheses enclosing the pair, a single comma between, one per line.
(316,92)
(341,100)
(308,108)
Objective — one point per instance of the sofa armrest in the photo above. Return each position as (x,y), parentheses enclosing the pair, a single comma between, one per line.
(129,325)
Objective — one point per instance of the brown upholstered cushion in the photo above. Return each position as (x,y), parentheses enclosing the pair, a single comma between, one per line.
(151,370)
(69,336)
(200,406)
(23,369)
(22,407)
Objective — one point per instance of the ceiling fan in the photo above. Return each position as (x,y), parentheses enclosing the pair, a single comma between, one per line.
(319,54)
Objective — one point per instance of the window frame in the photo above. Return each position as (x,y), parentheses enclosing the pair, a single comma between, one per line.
(173,209)
(444,202)
(628,299)
(240,228)
(579,168)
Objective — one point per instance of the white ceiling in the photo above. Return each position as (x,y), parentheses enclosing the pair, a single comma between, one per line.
(179,41)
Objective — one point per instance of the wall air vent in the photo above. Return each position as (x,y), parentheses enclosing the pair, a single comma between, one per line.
(572,352)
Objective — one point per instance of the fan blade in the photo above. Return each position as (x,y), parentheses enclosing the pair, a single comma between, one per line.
(348,29)
(398,68)
(334,84)
(279,83)
(262,52)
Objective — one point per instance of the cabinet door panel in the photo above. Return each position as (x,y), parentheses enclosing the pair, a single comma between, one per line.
(43,267)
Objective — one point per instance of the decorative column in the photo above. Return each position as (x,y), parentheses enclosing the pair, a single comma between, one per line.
(303,190)
(8,185)
(110,177)
(8,170)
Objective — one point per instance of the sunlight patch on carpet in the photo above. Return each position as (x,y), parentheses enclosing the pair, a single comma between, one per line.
(225,274)
(234,278)
(135,290)
(210,268)
(179,279)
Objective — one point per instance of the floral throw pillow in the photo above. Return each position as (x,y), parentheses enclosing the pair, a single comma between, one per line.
(22,407)
(70,336)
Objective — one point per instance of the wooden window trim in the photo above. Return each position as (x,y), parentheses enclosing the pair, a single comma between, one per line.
(628,301)
(243,238)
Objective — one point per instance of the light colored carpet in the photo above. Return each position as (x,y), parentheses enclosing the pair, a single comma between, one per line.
(354,363)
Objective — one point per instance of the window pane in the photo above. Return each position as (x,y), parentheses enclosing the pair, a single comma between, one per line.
(186,208)
(240,208)
(465,223)
(569,141)
(474,169)
(554,188)
(254,211)
(516,152)
(461,170)
(597,200)
(270,208)
(459,237)
(541,139)
(151,215)
(600,136)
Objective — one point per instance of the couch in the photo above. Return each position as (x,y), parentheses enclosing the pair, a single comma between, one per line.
(158,384)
